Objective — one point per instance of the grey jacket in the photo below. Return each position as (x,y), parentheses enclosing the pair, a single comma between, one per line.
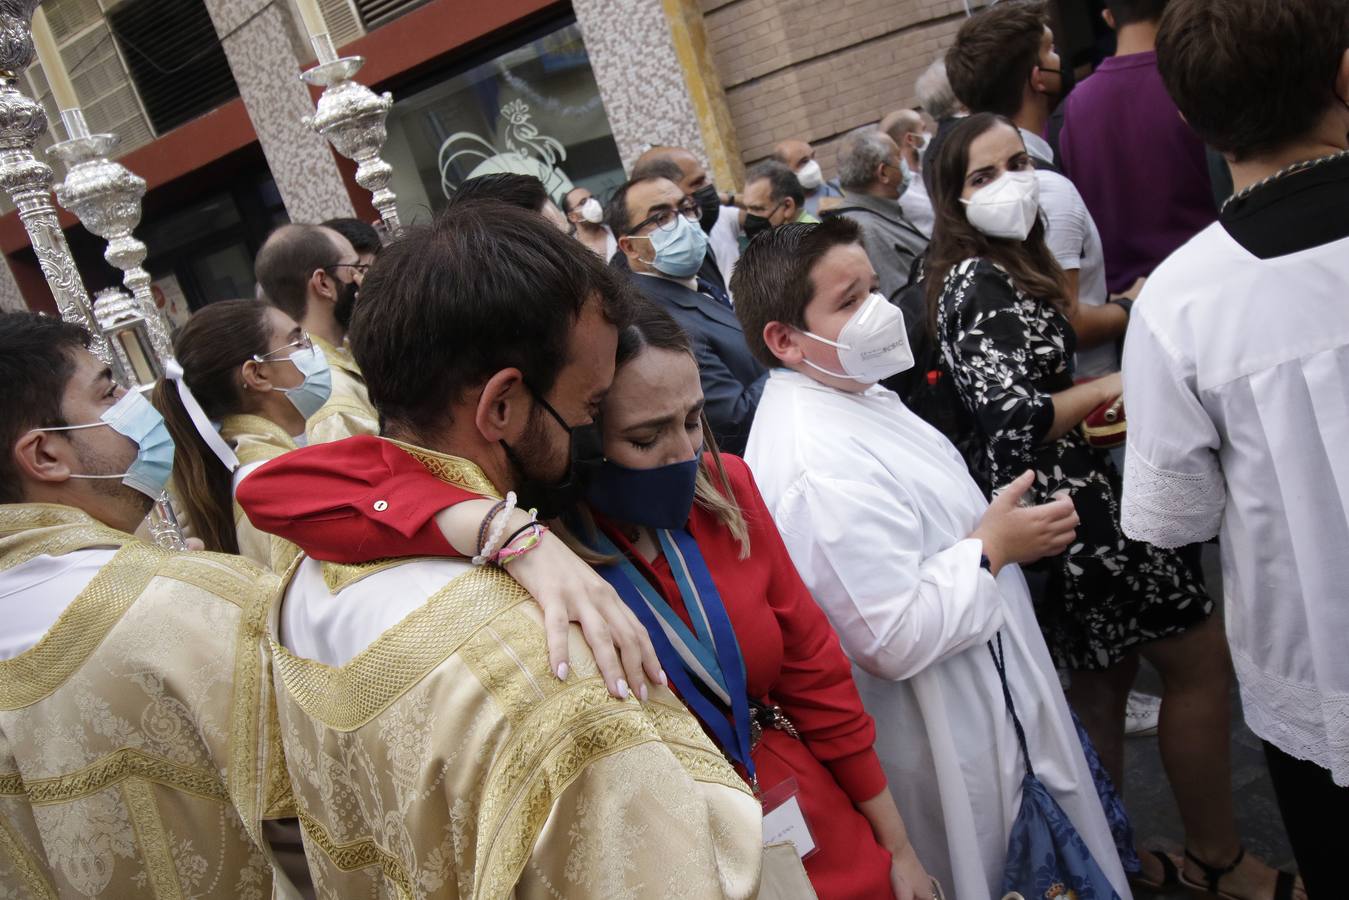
(892,241)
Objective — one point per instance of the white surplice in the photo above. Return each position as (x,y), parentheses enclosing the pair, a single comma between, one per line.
(1236,378)
(875,507)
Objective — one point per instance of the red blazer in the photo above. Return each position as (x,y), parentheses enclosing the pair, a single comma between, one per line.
(323,498)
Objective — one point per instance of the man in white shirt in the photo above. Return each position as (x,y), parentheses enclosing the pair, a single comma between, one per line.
(1236,375)
(1003,61)
(914,568)
(907,129)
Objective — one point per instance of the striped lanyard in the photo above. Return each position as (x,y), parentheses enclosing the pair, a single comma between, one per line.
(707,654)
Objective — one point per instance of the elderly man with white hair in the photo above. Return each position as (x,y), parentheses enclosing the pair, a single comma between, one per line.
(873,174)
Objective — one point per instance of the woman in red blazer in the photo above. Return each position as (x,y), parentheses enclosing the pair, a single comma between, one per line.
(664,507)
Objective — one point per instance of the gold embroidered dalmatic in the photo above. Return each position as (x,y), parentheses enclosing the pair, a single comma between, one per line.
(138,755)
(446,761)
(348,411)
(255,439)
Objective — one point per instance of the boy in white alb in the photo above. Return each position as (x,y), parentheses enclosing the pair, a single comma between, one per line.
(915,569)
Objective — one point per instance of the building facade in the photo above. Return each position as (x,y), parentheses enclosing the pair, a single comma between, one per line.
(207,99)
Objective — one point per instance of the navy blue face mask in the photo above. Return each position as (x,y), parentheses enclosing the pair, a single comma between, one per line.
(657,498)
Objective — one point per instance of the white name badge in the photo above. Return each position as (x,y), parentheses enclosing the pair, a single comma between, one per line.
(783,819)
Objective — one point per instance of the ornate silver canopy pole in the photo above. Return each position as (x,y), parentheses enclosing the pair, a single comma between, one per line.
(106,196)
(351,117)
(28,180)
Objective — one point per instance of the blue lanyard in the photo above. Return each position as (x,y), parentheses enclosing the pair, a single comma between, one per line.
(710,652)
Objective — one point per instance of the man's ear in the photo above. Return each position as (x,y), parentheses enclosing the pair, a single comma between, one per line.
(1342,79)
(503,406)
(42,456)
(320,282)
(1109,18)
(783,341)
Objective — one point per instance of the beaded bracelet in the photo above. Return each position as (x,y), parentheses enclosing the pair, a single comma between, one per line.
(487,521)
(488,550)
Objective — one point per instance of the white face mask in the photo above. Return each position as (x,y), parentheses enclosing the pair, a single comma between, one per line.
(1007,208)
(591,211)
(810,176)
(872,344)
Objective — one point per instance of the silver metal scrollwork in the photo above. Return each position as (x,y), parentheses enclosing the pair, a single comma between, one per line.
(28,180)
(352,117)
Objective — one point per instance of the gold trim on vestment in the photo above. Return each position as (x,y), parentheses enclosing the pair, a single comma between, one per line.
(152,839)
(82,626)
(340,576)
(358,854)
(255,438)
(34,529)
(119,766)
(11,785)
(345,698)
(31,872)
(338,357)
(450,469)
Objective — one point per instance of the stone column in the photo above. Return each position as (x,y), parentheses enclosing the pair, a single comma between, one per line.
(11,298)
(260,39)
(657,80)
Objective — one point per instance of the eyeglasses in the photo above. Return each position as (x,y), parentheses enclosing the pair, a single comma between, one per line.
(304,343)
(359,267)
(665,220)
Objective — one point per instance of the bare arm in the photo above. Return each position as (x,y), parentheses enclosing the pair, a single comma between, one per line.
(906,872)
(1073,405)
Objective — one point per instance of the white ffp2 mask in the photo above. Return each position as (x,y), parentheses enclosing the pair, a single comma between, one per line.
(1006,208)
(872,345)
(810,175)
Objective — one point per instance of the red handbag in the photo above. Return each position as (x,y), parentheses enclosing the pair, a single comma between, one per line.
(1104,427)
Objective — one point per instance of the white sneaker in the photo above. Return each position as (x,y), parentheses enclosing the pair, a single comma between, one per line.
(1142,714)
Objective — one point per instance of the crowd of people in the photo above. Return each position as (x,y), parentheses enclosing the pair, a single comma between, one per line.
(784,541)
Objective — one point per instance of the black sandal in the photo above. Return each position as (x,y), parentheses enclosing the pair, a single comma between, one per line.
(1170,876)
(1283,886)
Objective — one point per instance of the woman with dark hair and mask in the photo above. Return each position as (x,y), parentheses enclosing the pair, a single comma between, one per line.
(246,379)
(681,533)
(997,300)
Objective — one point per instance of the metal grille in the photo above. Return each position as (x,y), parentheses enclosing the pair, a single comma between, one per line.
(375,13)
(343,23)
(176,60)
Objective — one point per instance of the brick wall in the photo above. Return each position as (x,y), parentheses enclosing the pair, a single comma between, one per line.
(816,70)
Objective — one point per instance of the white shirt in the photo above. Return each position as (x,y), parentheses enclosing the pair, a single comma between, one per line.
(917,205)
(33,594)
(332,628)
(875,507)
(1071,234)
(1236,378)
(725,242)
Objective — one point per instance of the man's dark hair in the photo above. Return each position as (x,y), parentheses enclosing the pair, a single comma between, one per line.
(1252,75)
(521,191)
(288,257)
(774,274)
(361,235)
(37,358)
(782,182)
(993,55)
(658,167)
(616,214)
(1131,12)
(486,288)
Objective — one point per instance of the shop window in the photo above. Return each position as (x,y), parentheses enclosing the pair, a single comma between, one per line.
(534,109)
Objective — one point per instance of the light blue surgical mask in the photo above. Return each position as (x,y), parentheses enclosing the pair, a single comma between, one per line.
(310,395)
(679,251)
(134,417)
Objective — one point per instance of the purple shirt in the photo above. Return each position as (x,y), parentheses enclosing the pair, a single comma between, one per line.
(1138,166)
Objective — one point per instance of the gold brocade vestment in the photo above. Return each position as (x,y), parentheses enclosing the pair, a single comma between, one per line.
(446,761)
(137,747)
(348,411)
(255,439)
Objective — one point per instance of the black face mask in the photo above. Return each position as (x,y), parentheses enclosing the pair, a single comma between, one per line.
(586,454)
(710,204)
(756,225)
(346,304)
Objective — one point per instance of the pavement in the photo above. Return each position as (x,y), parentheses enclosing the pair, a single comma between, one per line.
(1148,794)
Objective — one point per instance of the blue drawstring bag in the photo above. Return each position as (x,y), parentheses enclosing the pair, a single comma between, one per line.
(1046,857)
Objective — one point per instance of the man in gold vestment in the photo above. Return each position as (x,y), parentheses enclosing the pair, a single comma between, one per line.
(137,748)
(313,274)
(433,750)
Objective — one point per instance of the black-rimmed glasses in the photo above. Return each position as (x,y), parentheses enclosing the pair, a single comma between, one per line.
(665,219)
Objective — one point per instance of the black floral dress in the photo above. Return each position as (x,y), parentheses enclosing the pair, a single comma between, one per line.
(1006,353)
